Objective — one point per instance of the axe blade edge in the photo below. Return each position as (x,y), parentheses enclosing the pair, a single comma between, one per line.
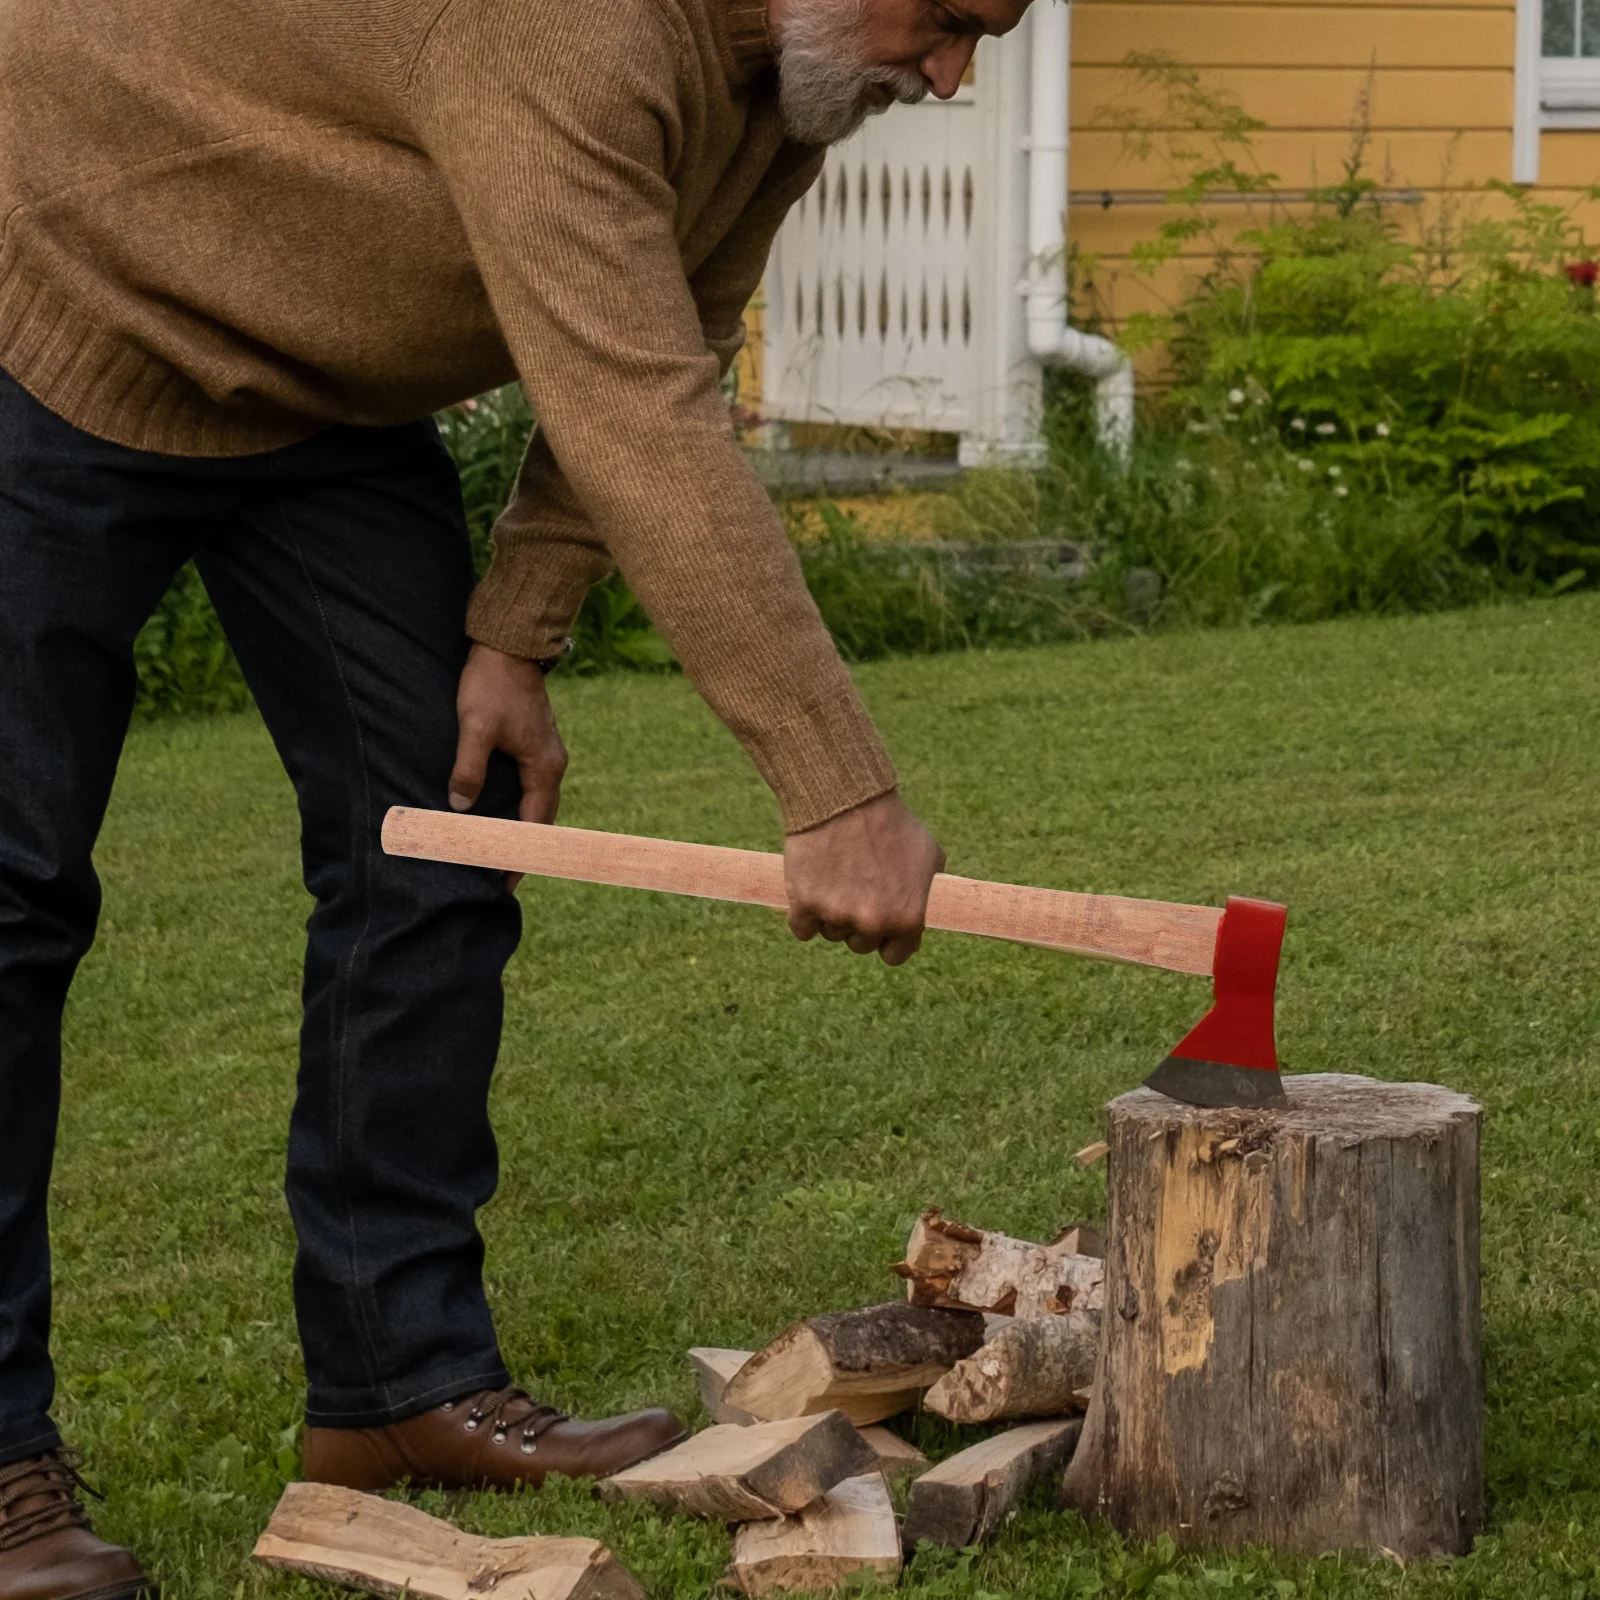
(1216,1084)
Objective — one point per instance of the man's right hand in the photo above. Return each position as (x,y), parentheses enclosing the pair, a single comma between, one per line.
(862,879)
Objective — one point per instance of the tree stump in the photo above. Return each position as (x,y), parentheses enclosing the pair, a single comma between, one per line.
(1291,1352)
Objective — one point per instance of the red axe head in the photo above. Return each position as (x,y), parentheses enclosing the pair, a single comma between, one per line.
(1229,1058)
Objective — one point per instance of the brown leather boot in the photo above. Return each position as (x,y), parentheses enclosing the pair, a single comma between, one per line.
(47,1551)
(494,1440)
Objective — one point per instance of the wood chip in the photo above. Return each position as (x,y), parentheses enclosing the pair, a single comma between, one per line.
(851,1530)
(745,1474)
(964,1500)
(1092,1153)
(381,1547)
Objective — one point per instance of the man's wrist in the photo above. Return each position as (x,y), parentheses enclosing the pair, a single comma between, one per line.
(545,664)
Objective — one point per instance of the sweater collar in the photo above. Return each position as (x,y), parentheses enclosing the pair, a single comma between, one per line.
(746,44)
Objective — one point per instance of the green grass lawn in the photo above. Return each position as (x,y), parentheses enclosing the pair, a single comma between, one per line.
(708,1130)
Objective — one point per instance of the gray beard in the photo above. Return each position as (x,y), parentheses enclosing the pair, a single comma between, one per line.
(824,91)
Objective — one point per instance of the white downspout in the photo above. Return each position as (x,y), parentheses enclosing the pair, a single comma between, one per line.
(1050,340)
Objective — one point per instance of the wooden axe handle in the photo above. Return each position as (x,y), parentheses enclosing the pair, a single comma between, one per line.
(1151,932)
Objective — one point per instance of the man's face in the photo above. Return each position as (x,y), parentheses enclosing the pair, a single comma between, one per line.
(841,61)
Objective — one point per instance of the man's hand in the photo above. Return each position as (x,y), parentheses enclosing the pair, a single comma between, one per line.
(501,705)
(862,878)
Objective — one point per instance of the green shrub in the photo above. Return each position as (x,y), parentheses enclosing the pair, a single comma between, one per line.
(883,598)
(1242,529)
(1444,372)
(486,437)
(183,660)
(1478,389)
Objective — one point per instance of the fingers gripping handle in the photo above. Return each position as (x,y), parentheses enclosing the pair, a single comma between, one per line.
(1151,932)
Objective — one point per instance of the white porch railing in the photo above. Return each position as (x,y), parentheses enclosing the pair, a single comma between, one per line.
(898,292)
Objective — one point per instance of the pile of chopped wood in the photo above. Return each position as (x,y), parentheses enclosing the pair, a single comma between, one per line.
(992,1329)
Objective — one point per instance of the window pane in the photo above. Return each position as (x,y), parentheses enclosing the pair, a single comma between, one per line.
(1589,35)
(1561,27)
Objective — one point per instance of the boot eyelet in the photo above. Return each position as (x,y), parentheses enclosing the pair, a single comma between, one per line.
(529,1446)
(499,1435)
(472,1424)
(449,1405)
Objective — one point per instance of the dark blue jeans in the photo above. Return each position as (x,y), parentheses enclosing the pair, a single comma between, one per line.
(340,569)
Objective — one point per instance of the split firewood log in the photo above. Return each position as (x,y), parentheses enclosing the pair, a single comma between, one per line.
(1081,1239)
(964,1499)
(851,1530)
(384,1548)
(1035,1367)
(714,1370)
(746,1474)
(869,1364)
(950,1264)
(896,1458)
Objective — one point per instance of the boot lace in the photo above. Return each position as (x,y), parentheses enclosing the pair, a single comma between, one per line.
(508,1409)
(40,1496)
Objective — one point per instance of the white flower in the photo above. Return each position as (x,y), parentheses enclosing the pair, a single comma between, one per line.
(1230,416)
(1325,428)
(1340,490)
(1236,397)
(1382,430)
(1333,472)
(1305,465)
(1299,423)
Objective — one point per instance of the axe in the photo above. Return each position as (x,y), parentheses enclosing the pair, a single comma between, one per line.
(1229,1058)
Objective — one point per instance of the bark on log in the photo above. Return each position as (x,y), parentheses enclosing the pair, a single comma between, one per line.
(963,1500)
(1034,1368)
(849,1531)
(1292,1351)
(747,1474)
(869,1364)
(383,1548)
(949,1264)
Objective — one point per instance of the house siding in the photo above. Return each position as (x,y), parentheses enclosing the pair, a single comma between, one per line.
(1432,82)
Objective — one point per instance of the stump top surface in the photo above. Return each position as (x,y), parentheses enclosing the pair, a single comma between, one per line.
(1329,1104)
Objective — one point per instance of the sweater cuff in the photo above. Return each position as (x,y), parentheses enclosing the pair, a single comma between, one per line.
(827,760)
(529,597)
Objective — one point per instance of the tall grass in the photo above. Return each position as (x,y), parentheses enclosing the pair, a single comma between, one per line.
(1243,529)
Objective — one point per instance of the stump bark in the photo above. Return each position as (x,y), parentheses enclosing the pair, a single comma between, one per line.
(1291,1352)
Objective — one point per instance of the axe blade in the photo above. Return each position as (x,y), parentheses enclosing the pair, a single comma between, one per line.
(1230,1057)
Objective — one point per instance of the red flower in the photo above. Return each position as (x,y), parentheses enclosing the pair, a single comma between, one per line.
(1582,274)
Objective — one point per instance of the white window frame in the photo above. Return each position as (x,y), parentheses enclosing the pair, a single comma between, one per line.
(1551,92)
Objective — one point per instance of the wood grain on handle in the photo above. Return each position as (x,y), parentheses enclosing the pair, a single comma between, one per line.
(1154,933)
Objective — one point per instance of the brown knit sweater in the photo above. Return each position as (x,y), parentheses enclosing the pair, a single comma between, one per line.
(224,226)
